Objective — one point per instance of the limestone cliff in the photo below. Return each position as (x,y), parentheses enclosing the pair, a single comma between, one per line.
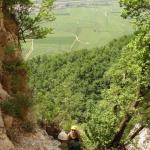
(15,94)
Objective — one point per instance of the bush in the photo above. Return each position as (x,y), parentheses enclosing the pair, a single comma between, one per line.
(11,107)
(10,48)
(17,105)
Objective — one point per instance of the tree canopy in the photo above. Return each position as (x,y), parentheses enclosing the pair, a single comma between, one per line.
(68,87)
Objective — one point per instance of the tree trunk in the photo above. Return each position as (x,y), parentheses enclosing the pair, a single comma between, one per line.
(118,136)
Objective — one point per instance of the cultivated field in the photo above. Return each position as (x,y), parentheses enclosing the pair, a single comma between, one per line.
(81,27)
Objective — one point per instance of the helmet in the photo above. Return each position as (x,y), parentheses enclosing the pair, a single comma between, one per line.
(74,127)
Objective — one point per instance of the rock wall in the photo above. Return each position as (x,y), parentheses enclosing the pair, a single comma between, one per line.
(5,143)
(14,81)
(37,141)
(141,141)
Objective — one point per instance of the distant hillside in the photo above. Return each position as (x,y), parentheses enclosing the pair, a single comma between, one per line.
(81,27)
(80,3)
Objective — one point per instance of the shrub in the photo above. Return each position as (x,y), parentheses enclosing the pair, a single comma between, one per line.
(10,48)
(11,107)
(17,105)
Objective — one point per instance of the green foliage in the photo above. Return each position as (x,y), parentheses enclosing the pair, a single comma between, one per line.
(11,107)
(15,66)
(30,22)
(140,11)
(17,105)
(69,85)
(10,48)
(98,88)
(116,99)
(102,125)
(137,9)
(128,81)
(17,69)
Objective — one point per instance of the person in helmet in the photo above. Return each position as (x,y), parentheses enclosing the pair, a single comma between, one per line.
(74,139)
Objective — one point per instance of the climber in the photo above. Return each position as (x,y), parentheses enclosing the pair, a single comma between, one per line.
(74,139)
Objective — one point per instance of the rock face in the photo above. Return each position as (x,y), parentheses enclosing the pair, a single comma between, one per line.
(14,82)
(5,143)
(3,94)
(141,141)
(37,141)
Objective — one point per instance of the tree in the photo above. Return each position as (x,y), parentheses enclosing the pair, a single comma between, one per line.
(19,20)
(139,10)
(29,18)
(127,96)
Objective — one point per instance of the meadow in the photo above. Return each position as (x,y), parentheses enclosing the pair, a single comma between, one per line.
(81,27)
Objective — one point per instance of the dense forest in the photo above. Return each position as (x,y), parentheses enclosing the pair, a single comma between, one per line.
(73,81)
(68,87)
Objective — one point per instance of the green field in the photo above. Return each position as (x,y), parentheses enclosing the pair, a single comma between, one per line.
(76,28)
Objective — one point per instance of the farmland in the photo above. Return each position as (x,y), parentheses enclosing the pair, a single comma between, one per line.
(81,27)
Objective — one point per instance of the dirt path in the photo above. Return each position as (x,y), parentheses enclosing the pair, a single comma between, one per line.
(30,52)
(77,40)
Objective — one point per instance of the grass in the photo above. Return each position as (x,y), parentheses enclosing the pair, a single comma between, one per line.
(94,27)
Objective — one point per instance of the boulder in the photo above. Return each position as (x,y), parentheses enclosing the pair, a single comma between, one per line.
(141,141)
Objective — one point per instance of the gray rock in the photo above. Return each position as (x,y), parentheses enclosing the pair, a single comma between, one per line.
(141,141)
